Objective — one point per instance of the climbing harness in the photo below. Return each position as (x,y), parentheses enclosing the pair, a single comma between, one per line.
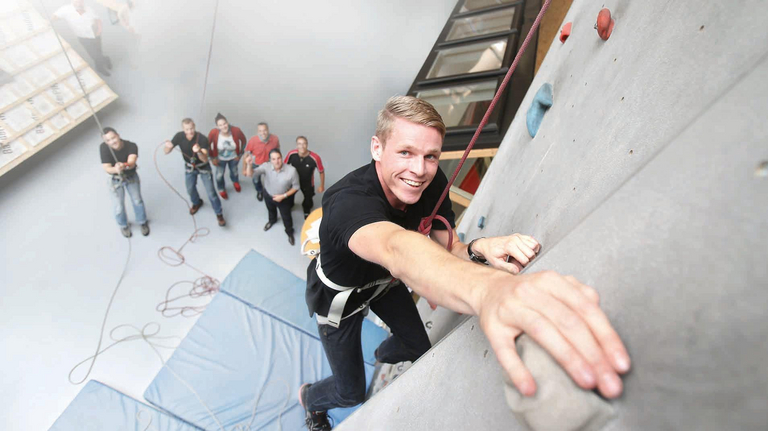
(336,311)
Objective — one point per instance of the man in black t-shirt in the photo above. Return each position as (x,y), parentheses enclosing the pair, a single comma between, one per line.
(118,159)
(194,149)
(306,162)
(367,237)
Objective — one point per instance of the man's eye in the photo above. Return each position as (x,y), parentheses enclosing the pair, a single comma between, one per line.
(403,153)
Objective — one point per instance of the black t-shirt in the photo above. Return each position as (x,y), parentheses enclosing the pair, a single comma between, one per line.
(305,166)
(180,140)
(121,154)
(355,201)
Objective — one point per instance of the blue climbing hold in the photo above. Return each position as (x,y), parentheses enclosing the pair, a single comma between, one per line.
(481,222)
(461,236)
(541,102)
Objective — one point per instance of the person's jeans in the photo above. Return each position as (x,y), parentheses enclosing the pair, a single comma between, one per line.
(257,181)
(207,177)
(117,188)
(285,211)
(221,168)
(343,348)
(307,204)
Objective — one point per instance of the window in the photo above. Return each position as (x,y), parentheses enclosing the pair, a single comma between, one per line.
(489,23)
(462,105)
(476,57)
(473,5)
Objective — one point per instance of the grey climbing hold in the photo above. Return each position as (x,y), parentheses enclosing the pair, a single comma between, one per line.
(542,101)
(558,404)
(481,222)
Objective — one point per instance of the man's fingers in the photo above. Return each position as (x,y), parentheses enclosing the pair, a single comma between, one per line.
(514,249)
(571,293)
(510,361)
(512,266)
(578,334)
(544,332)
(588,291)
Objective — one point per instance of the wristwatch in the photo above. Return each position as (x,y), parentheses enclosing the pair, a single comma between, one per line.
(472,256)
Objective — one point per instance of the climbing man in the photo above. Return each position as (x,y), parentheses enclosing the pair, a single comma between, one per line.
(306,162)
(259,147)
(87,27)
(118,159)
(370,251)
(194,149)
(281,182)
(227,145)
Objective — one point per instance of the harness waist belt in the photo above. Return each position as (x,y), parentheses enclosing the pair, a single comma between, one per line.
(336,311)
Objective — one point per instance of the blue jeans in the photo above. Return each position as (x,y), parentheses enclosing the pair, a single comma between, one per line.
(117,188)
(207,177)
(232,173)
(343,348)
(257,181)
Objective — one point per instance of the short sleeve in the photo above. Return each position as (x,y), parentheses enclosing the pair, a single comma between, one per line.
(61,13)
(318,162)
(133,149)
(203,142)
(106,157)
(446,208)
(176,141)
(295,180)
(349,211)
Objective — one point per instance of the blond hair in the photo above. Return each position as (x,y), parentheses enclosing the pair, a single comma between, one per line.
(187,121)
(411,109)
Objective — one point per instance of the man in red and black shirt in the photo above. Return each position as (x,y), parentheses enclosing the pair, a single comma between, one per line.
(227,145)
(306,162)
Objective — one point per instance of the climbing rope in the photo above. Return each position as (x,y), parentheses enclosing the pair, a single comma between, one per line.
(425,227)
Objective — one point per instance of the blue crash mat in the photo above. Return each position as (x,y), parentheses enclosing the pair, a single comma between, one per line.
(98,407)
(263,284)
(255,340)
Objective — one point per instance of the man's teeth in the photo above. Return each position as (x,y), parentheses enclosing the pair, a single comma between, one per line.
(413,183)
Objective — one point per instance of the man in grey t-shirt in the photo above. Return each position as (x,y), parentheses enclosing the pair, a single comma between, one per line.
(281,182)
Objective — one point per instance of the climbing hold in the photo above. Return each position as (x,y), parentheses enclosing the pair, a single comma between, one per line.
(481,222)
(461,236)
(604,24)
(541,103)
(761,171)
(566,31)
(559,404)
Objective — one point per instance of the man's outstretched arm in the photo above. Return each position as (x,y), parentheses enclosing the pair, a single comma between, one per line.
(559,312)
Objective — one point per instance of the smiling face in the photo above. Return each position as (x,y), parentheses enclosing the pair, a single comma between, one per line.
(407,162)
(301,146)
(189,130)
(223,126)
(113,140)
(263,132)
(276,159)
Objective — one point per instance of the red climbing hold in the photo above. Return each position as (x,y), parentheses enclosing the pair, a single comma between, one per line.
(566,31)
(604,24)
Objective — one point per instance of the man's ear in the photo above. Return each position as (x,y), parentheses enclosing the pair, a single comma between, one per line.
(376,148)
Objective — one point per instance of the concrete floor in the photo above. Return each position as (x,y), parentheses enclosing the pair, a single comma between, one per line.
(62,252)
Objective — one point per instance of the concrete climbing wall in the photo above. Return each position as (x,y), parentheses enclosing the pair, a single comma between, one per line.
(648,179)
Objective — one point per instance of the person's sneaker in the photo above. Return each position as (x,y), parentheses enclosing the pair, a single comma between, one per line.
(145,229)
(237,187)
(103,72)
(220,218)
(224,194)
(260,196)
(126,231)
(306,215)
(315,421)
(194,208)
(268,225)
(291,240)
